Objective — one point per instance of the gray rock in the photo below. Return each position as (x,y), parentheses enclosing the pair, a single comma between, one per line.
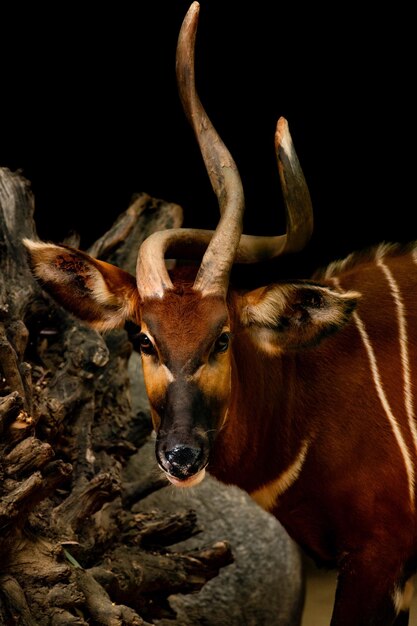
(265,584)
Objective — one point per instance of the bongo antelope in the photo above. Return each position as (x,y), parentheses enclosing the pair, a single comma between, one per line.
(302,393)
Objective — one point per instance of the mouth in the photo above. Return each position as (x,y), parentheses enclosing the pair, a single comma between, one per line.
(191,481)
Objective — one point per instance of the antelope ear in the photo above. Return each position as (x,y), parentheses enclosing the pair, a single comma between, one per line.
(96,292)
(294,315)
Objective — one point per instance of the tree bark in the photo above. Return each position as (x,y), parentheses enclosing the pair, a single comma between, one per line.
(71,550)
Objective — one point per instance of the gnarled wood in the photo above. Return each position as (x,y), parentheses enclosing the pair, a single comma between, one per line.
(67,431)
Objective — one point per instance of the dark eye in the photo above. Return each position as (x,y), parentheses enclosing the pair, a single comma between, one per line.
(145,344)
(222,343)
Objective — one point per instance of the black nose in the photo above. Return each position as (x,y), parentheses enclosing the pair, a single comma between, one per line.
(183,461)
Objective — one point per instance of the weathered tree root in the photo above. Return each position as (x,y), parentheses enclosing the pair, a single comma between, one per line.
(71,550)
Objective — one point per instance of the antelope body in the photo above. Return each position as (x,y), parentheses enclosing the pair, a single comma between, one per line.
(302,393)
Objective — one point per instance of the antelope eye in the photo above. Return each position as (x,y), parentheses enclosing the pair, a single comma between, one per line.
(145,344)
(222,343)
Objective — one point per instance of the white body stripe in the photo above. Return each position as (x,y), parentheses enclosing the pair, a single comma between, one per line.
(267,495)
(385,404)
(405,358)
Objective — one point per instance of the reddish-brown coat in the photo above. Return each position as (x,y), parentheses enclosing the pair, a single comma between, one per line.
(312,415)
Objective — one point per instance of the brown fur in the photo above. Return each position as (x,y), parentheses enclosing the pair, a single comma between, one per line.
(301,428)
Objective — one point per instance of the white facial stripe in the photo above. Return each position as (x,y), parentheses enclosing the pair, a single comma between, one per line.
(196,375)
(267,495)
(402,598)
(169,374)
(224,420)
(384,401)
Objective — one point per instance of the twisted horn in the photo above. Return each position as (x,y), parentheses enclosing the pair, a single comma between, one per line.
(213,274)
(152,276)
(214,271)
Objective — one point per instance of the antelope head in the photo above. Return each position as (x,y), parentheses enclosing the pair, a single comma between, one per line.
(186,318)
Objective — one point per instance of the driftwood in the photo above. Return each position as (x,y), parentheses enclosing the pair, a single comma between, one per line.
(71,549)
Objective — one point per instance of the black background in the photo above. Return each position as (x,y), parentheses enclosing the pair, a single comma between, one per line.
(90,113)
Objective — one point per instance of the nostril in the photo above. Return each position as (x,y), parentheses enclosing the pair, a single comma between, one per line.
(183,457)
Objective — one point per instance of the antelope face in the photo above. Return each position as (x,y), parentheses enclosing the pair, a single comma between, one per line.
(185,330)
(184,343)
